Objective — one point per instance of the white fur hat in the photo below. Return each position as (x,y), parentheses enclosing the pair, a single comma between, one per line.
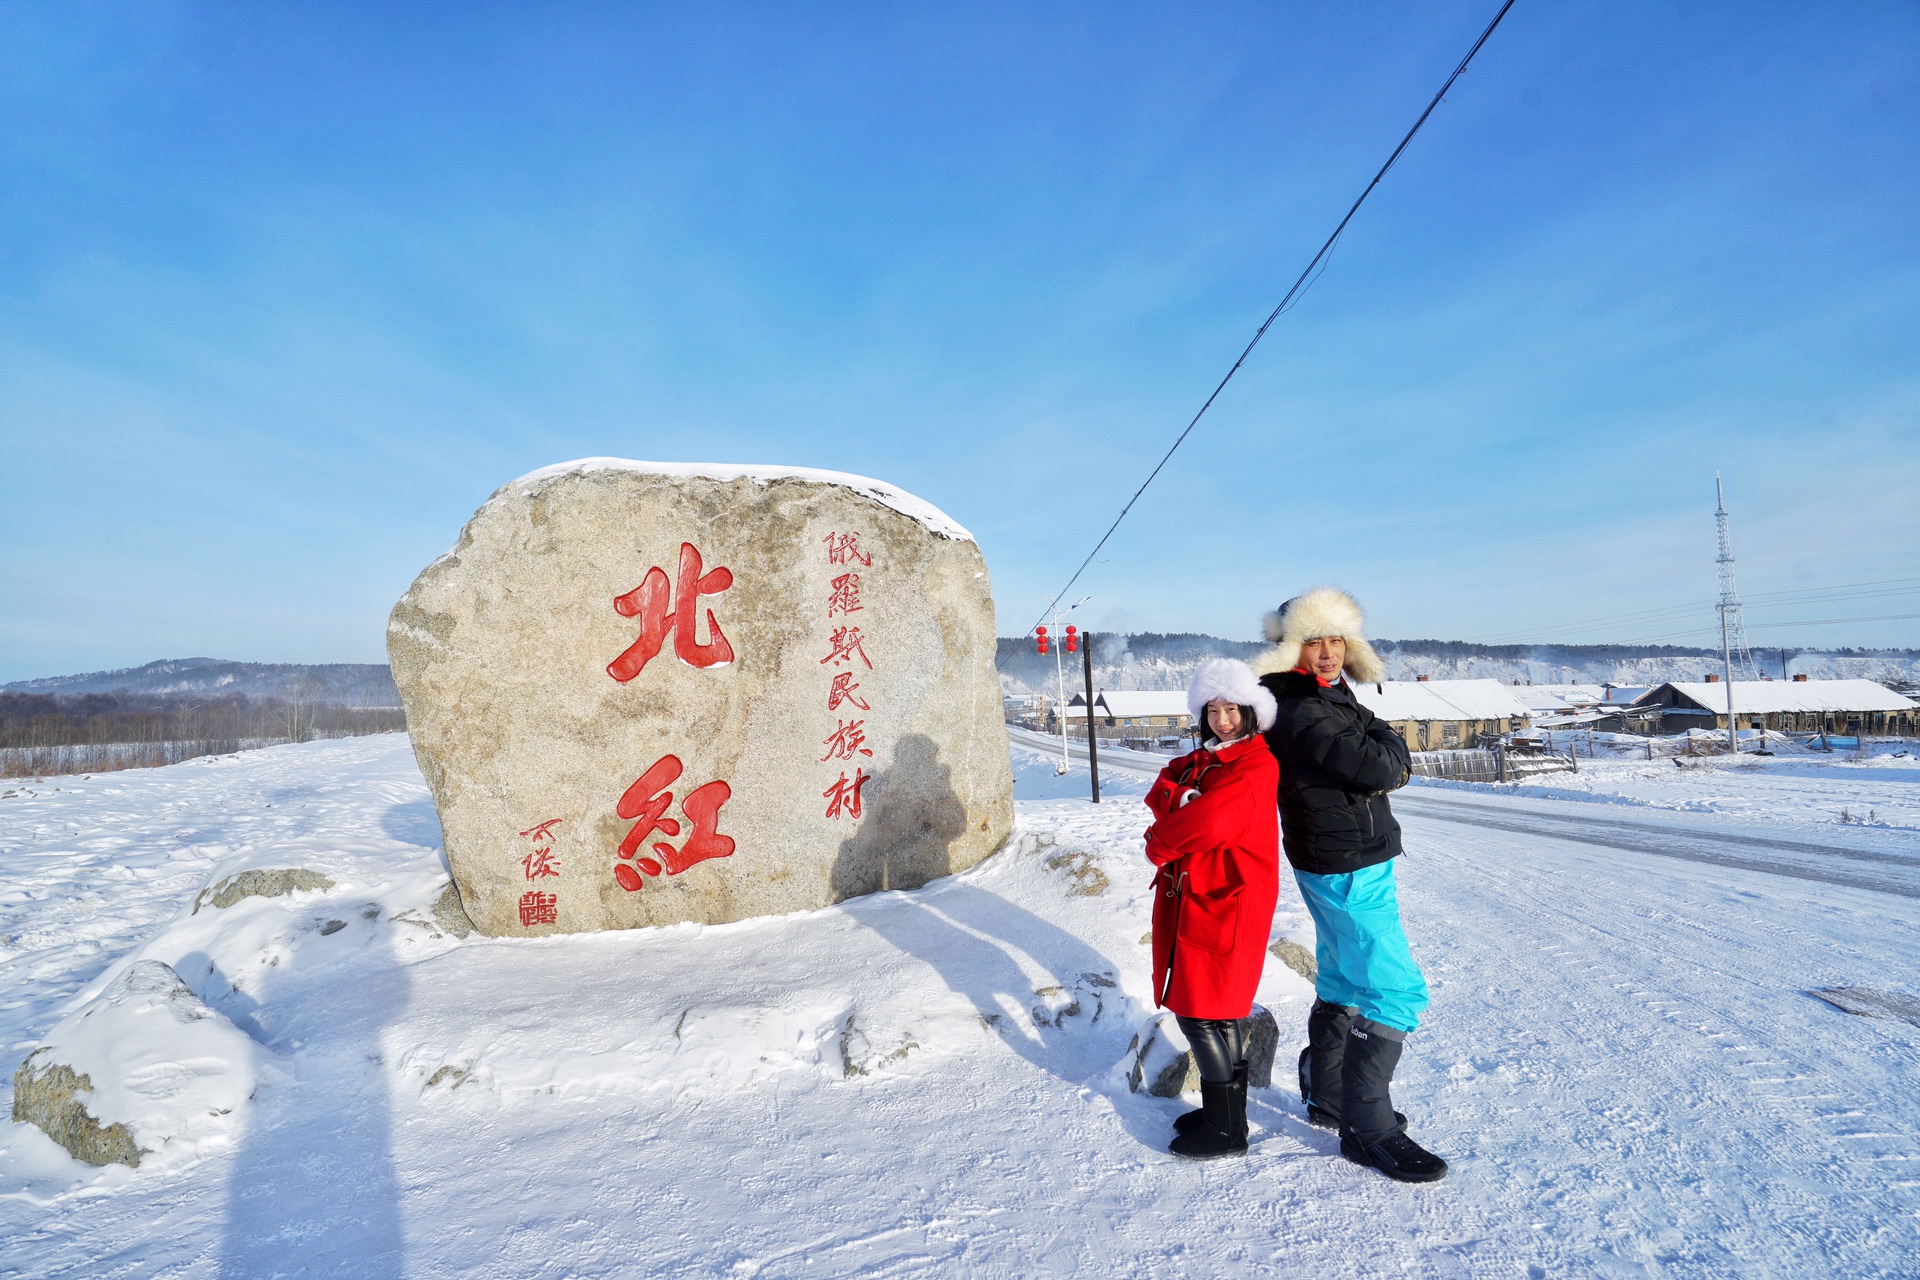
(1323,611)
(1233,680)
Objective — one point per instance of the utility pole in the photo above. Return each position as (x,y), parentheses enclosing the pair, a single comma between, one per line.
(1093,747)
(1732,632)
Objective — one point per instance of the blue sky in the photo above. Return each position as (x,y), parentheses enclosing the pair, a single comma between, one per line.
(286,291)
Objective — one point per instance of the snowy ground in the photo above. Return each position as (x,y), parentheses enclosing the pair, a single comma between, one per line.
(1797,788)
(1621,1059)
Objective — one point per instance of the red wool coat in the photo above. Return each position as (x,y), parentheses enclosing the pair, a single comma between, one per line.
(1219,875)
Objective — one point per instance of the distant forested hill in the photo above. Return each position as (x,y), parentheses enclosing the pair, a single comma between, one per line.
(342,684)
(1154,660)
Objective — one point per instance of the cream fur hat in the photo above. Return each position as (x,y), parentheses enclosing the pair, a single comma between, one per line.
(1233,680)
(1323,611)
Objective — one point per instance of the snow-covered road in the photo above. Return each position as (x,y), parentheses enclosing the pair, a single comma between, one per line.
(1665,1097)
(1874,862)
(1621,1058)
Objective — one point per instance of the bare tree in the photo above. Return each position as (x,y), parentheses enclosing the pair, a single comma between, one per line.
(302,705)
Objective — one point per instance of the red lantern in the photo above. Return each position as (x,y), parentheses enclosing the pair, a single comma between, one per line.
(1040,635)
(1073,641)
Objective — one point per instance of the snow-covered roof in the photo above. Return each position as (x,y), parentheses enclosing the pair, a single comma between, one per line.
(1551,699)
(1441,700)
(1759,697)
(1406,700)
(1133,703)
(885,494)
(1568,719)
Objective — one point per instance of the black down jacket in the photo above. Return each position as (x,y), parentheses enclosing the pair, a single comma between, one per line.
(1337,762)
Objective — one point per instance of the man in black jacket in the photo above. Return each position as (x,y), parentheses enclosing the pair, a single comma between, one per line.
(1337,762)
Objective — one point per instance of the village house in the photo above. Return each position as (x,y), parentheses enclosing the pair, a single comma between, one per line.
(1444,715)
(1798,705)
(1605,707)
(1431,715)
(1029,710)
(1149,716)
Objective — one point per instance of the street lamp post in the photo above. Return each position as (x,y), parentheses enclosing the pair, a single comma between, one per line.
(1055,615)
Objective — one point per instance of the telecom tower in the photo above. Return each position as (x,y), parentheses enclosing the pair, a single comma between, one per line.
(1733,635)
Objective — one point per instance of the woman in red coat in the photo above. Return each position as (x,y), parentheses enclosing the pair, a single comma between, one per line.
(1216,841)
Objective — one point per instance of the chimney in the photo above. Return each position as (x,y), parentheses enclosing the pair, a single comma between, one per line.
(1800,679)
(1713,679)
(1422,679)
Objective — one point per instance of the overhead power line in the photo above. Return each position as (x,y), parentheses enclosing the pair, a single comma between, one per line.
(1706,630)
(1822,622)
(1292,294)
(1904,584)
(1769,600)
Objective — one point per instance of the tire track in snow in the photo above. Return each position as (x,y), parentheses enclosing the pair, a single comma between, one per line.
(1900,875)
(1709,1107)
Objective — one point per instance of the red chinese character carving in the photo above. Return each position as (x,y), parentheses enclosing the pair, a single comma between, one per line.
(846,595)
(843,691)
(847,739)
(540,862)
(640,801)
(649,602)
(844,795)
(646,800)
(538,908)
(846,643)
(844,548)
(702,807)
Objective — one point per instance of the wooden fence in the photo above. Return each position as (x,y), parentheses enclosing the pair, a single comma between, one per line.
(1484,765)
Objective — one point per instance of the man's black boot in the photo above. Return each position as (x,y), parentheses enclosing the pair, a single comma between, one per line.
(1320,1061)
(1222,1130)
(1371,1132)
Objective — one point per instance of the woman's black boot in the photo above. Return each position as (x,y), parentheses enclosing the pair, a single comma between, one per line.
(1218,1046)
(1371,1131)
(1222,1130)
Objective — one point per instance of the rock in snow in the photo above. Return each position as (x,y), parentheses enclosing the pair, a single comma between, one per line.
(1296,958)
(144,1067)
(645,694)
(271,882)
(1160,1062)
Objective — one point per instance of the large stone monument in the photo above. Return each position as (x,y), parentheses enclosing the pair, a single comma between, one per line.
(646,693)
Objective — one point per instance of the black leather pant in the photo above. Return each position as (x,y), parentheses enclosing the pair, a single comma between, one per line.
(1219,1044)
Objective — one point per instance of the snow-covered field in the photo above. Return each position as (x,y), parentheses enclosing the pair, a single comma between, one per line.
(1622,1060)
(1796,788)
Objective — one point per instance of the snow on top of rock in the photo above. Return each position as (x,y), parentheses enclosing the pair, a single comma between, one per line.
(158,1060)
(936,520)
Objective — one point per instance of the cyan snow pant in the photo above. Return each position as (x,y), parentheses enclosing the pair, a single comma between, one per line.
(1362,951)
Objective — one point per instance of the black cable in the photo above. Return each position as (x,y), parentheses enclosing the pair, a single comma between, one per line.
(1758,602)
(1285,302)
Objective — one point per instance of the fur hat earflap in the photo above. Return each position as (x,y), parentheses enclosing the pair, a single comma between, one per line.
(1323,611)
(1233,680)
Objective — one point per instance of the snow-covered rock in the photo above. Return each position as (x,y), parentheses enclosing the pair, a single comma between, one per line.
(271,882)
(1295,957)
(1160,1061)
(651,693)
(144,1068)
